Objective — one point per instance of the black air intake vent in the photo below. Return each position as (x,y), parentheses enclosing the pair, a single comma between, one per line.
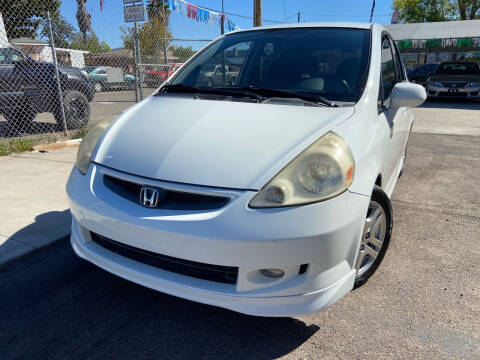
(172,200)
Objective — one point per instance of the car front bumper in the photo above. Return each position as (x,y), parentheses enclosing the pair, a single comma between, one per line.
(324,235)
(445,92)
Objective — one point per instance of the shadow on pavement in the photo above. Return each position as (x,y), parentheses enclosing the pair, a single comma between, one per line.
(47,227)
(55,305)
(460,104)
(7,130)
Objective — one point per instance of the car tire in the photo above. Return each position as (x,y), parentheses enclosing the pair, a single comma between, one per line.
(77,110)
(19,119)
(98,87)
(376,236)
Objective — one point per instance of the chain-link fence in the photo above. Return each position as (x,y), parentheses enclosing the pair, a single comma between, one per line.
(57,77)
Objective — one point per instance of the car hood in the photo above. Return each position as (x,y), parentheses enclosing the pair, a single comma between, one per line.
(214,143)
(459,78)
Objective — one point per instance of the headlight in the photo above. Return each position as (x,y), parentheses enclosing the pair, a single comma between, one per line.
(88,144)
(322,171)
(474,84)
(435,83)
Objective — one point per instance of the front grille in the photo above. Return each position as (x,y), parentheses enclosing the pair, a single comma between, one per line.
(216,273)
(453,94)
(458,85)
(173,200)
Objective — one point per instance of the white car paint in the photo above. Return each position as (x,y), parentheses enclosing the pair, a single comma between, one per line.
(233,150)
(227,130)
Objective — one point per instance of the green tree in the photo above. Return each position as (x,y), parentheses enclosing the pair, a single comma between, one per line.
(89,42)
(104,47)
(24,18)
(468,9)
(410,11)
(83,19)
(62,30)
(183,53)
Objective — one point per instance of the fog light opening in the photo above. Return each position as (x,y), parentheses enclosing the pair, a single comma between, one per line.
(272,273)
(303,269)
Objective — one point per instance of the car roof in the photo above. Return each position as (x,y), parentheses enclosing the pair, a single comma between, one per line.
(323,24)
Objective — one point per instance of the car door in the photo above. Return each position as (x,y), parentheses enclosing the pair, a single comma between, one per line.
(10,82)
(102,74)
(391,73)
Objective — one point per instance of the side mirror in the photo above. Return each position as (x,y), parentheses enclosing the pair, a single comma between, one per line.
(407,95)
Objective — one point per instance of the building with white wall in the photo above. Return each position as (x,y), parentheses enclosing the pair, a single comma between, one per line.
(422,43)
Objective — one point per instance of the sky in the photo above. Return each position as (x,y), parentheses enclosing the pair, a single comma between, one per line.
(106,23)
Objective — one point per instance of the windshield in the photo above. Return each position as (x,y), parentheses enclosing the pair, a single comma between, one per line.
(9,56)
(458,68)
(327,62)
(90,68)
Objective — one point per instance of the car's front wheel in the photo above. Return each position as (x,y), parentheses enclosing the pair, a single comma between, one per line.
(376,235)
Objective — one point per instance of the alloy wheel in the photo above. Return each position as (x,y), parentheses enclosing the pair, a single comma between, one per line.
(373,237)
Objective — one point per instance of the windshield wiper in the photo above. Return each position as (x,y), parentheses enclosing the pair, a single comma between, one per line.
(288,94)
(214,91)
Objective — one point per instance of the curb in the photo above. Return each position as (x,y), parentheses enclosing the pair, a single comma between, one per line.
(57,145)
(23,249)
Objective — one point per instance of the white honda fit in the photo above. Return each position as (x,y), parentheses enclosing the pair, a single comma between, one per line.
(258,177)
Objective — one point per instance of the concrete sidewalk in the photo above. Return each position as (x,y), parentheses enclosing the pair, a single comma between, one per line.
(33,203)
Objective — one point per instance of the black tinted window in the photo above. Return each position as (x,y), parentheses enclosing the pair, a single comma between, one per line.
(398,62)
(458,68)
(9,56)
(331,62)
(388,69)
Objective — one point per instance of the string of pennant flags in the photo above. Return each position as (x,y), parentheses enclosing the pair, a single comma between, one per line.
(200,14)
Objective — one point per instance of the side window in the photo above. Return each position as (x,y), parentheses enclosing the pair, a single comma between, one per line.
(398,62)
(388,77)
(9,56)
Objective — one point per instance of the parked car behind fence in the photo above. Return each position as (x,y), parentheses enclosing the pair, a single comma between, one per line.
(420,74)
(106,78)
(155,77)
(29,87)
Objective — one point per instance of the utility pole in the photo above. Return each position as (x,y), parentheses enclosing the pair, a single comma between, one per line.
(57,77)
(298,17)
(257,12)
(222,22)
(373,9)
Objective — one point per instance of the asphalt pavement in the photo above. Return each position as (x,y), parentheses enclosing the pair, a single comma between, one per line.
(423,302)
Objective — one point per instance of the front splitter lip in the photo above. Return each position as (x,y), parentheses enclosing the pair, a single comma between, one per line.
(275,306)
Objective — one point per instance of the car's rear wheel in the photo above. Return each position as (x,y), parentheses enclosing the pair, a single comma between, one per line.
(98,87)
(376,235)
(77,110)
